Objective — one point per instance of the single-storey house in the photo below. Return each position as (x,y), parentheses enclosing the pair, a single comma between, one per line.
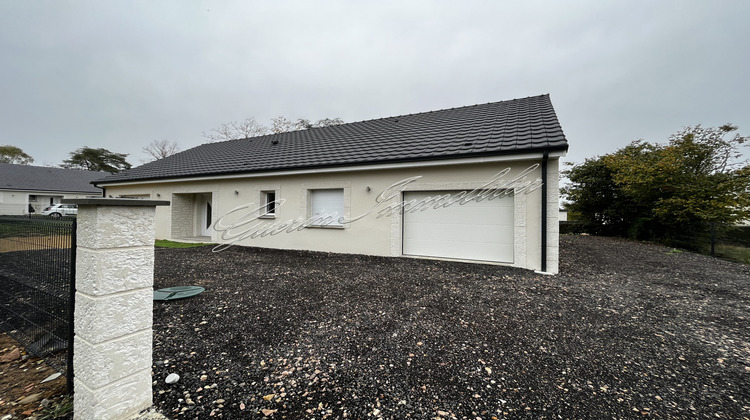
(476,183)
(22,186)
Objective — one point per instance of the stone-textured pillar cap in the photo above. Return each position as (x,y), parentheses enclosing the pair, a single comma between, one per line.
(115,202)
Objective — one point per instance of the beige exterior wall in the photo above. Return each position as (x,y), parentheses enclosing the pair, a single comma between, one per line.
(370,233)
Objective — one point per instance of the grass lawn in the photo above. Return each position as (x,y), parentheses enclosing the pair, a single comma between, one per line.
(735,253)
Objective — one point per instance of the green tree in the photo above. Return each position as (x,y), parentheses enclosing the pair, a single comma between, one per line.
(694,178)
(92,159)
(596,200)
(14,154)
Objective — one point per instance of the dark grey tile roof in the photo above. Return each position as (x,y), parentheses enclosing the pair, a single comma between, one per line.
(40,178)
(507,127)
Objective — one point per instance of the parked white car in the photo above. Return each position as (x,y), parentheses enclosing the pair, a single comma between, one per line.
(59,210)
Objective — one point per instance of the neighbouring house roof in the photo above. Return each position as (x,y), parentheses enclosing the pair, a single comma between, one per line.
(39,178)
(498,128)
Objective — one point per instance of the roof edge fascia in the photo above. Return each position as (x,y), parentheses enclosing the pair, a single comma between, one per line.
(358,168)
(39,192)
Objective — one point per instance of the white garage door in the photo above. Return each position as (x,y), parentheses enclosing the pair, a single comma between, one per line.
(472,231)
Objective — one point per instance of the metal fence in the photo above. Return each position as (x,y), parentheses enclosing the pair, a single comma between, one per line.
(37,268)
(726,241)
(718,240)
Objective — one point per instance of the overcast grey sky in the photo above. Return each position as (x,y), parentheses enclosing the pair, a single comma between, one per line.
(119,74)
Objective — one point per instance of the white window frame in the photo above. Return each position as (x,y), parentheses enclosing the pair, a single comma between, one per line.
(268,198)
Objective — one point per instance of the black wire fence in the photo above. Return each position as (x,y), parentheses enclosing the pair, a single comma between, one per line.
(731,242)
(37,270)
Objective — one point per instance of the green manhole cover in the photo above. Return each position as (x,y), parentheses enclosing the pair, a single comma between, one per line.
(177,292)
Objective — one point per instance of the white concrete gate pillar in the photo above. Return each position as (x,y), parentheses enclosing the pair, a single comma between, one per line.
(113,307)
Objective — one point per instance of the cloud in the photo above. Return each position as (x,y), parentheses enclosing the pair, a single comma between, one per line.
(119,75)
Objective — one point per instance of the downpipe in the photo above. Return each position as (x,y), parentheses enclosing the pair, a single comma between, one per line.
(545,158)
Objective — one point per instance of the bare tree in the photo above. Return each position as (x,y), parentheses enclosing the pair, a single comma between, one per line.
(250,128)
(283,125)
(327,122)
(159,149)
(236,130)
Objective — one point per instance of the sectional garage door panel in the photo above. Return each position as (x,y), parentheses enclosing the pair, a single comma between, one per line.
(461,250)
(472,231)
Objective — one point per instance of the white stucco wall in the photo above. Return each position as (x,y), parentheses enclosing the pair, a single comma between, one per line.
(113,310)
(369,234)
(13,202)
(553,223)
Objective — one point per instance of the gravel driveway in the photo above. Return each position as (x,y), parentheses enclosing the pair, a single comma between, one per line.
(626,330)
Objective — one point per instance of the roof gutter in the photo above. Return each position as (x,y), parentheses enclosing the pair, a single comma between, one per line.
(339,169)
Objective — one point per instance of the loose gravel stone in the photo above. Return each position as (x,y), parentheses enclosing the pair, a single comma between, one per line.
(625,330)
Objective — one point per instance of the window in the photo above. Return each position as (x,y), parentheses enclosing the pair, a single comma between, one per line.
(326,207)
(32,198)
(268,198)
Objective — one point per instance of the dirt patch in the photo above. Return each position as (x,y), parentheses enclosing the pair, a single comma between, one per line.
(32,243)
(21,377)
(626,330)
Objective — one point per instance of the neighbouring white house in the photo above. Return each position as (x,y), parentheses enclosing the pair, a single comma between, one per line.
(476,183)
(22,186)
